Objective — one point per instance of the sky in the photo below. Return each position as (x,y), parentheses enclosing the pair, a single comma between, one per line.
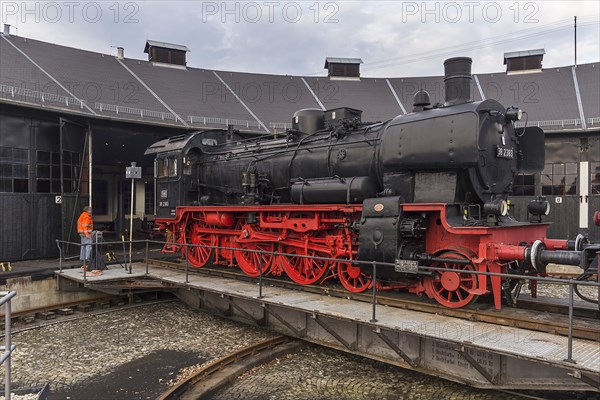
(393,38)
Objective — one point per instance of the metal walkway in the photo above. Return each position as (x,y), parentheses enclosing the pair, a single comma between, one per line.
(475,353)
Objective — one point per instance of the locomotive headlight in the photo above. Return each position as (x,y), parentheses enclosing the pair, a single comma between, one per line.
(497,207)
(539,206)
(513,114)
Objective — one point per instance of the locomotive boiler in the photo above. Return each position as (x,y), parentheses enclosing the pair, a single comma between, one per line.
(428,188)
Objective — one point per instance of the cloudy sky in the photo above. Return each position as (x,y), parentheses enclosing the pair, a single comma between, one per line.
(393,38)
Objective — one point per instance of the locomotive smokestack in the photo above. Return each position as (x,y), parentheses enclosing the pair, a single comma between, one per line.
(457,80)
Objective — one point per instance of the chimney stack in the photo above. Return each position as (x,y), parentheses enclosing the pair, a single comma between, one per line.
(120,53)
(7,29)
(457,80)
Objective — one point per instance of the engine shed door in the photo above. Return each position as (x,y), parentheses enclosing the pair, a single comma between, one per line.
(74,145)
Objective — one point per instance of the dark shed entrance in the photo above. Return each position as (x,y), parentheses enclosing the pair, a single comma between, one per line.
(45,177)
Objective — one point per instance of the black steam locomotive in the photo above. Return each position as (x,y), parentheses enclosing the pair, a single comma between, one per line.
(424,189)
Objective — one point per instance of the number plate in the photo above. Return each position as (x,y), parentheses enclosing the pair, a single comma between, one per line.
(505,152)
(407,266)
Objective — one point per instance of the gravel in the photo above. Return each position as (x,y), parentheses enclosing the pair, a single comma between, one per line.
(317,373)
(102,353)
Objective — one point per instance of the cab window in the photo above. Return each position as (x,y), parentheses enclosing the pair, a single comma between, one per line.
(167,167)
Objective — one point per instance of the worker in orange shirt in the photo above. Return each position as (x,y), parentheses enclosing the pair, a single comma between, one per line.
(85,226)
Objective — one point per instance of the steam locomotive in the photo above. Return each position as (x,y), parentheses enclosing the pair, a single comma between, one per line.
(428,188)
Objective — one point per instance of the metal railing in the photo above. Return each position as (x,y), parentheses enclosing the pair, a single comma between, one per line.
(594,120)
(551,123)
(102,107)
(8,348)
(280,125)
(373,264)
(42,97)
(193,119)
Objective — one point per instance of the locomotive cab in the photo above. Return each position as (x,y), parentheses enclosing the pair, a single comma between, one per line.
(176,180)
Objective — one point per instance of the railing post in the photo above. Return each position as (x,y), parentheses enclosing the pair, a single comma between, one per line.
(60,261)
(60,258)
(187,264)
(95,239)
(260,273)
(85,261)
(570,340)
(7,347)
(374,297)
(146,257)
(124,251)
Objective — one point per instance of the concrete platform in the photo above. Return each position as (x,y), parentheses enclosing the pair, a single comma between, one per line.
(475,353)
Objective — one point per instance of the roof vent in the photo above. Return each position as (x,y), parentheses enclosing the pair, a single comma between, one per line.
(523,62)
(120,53)
(343,68)
(166,54)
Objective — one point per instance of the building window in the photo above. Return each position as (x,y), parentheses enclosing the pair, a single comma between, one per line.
(14,170)
(595,178)
(559,179)
(47,172)
(149,198)
(524,185)
(71,171)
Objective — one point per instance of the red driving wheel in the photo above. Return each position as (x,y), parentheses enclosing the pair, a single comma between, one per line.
(451,287)
(250,262)
(198,255)
(352,278)
(303,270)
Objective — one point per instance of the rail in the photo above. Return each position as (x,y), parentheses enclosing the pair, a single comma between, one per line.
(373,264)
(179,390)
(8,348)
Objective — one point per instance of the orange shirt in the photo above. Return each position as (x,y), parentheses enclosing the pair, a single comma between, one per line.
(85,224)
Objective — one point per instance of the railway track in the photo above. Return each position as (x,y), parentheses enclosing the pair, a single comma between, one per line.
(205,381)
(64,312)
(537,316)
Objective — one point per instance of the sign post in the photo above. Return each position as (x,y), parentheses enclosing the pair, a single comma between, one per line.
(132,173)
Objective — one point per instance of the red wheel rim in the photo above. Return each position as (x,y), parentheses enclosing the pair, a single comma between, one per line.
(249,262)
(303,270)
(199,256)
(451,288)
(353,279)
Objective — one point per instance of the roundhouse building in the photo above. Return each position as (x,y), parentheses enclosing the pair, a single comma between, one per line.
(71,121)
